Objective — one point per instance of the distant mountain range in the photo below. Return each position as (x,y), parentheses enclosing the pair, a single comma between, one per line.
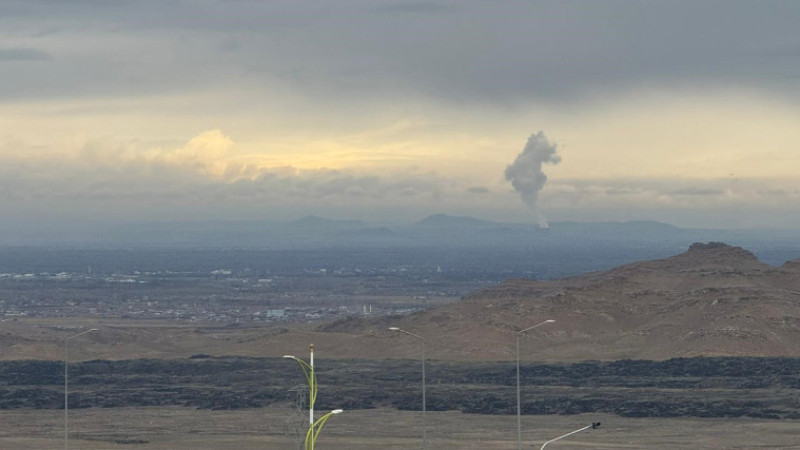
(459,243)
(435,230)
(439,230)
(315,225)
(445,221)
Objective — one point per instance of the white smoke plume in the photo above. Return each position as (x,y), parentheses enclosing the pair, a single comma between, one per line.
(526,175)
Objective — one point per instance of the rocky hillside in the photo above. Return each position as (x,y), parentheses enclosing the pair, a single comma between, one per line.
(712,300)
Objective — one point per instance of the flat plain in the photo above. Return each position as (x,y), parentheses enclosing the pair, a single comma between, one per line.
(176,428)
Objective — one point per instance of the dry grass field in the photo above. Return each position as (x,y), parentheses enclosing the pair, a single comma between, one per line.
(273,428)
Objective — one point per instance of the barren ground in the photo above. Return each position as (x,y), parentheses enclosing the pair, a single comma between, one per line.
(271,428)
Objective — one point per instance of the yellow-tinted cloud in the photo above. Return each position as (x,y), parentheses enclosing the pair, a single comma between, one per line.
(208,153)
(681,136)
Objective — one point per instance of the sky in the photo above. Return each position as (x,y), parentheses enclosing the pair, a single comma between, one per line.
(684,112)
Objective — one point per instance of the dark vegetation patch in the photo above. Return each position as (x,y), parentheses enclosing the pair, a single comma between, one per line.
(694,387)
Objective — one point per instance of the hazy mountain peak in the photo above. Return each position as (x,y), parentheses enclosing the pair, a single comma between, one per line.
(377,232)
(317,221)
(312,220)
(445,220)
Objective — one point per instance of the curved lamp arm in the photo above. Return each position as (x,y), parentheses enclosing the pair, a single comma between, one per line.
(313,431)
(594,425)
(311,378)
(536,326)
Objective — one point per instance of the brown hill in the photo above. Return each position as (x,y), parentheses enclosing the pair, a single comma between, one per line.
(713,299)
(793,265)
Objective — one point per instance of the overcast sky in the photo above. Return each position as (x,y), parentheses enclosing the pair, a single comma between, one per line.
(682,112)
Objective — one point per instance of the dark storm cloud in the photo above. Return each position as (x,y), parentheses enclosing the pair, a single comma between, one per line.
(413,7)
(478,190)
(499,51)
(777,192)
(23,54)
(638,186)
(697,191)
(627,190)
(683,191)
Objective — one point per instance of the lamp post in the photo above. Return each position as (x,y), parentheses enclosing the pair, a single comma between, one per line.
(593,426)
(311,378)
(519,405)
(313,431)
(424,407)
(66,385)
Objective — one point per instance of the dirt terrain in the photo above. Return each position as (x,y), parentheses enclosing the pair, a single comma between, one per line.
(182,428)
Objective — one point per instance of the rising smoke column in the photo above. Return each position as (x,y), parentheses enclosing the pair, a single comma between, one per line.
(526,175)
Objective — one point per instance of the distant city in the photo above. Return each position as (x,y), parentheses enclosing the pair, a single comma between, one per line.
(222,295)
(326,269)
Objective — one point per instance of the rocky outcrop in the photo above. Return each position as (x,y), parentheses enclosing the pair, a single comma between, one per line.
(713,299)
(793,265)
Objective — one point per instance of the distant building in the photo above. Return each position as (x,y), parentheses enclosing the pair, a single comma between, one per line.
(276,313)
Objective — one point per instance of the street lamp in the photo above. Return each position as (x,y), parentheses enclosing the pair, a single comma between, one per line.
(519,406)
(593,426)
(311,378)
(424,407)
(66,385)
(313,431)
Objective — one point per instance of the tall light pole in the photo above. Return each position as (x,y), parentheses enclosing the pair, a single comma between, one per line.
(311,378)
(519,403)
(66,385)
(424,407)
(594,425)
